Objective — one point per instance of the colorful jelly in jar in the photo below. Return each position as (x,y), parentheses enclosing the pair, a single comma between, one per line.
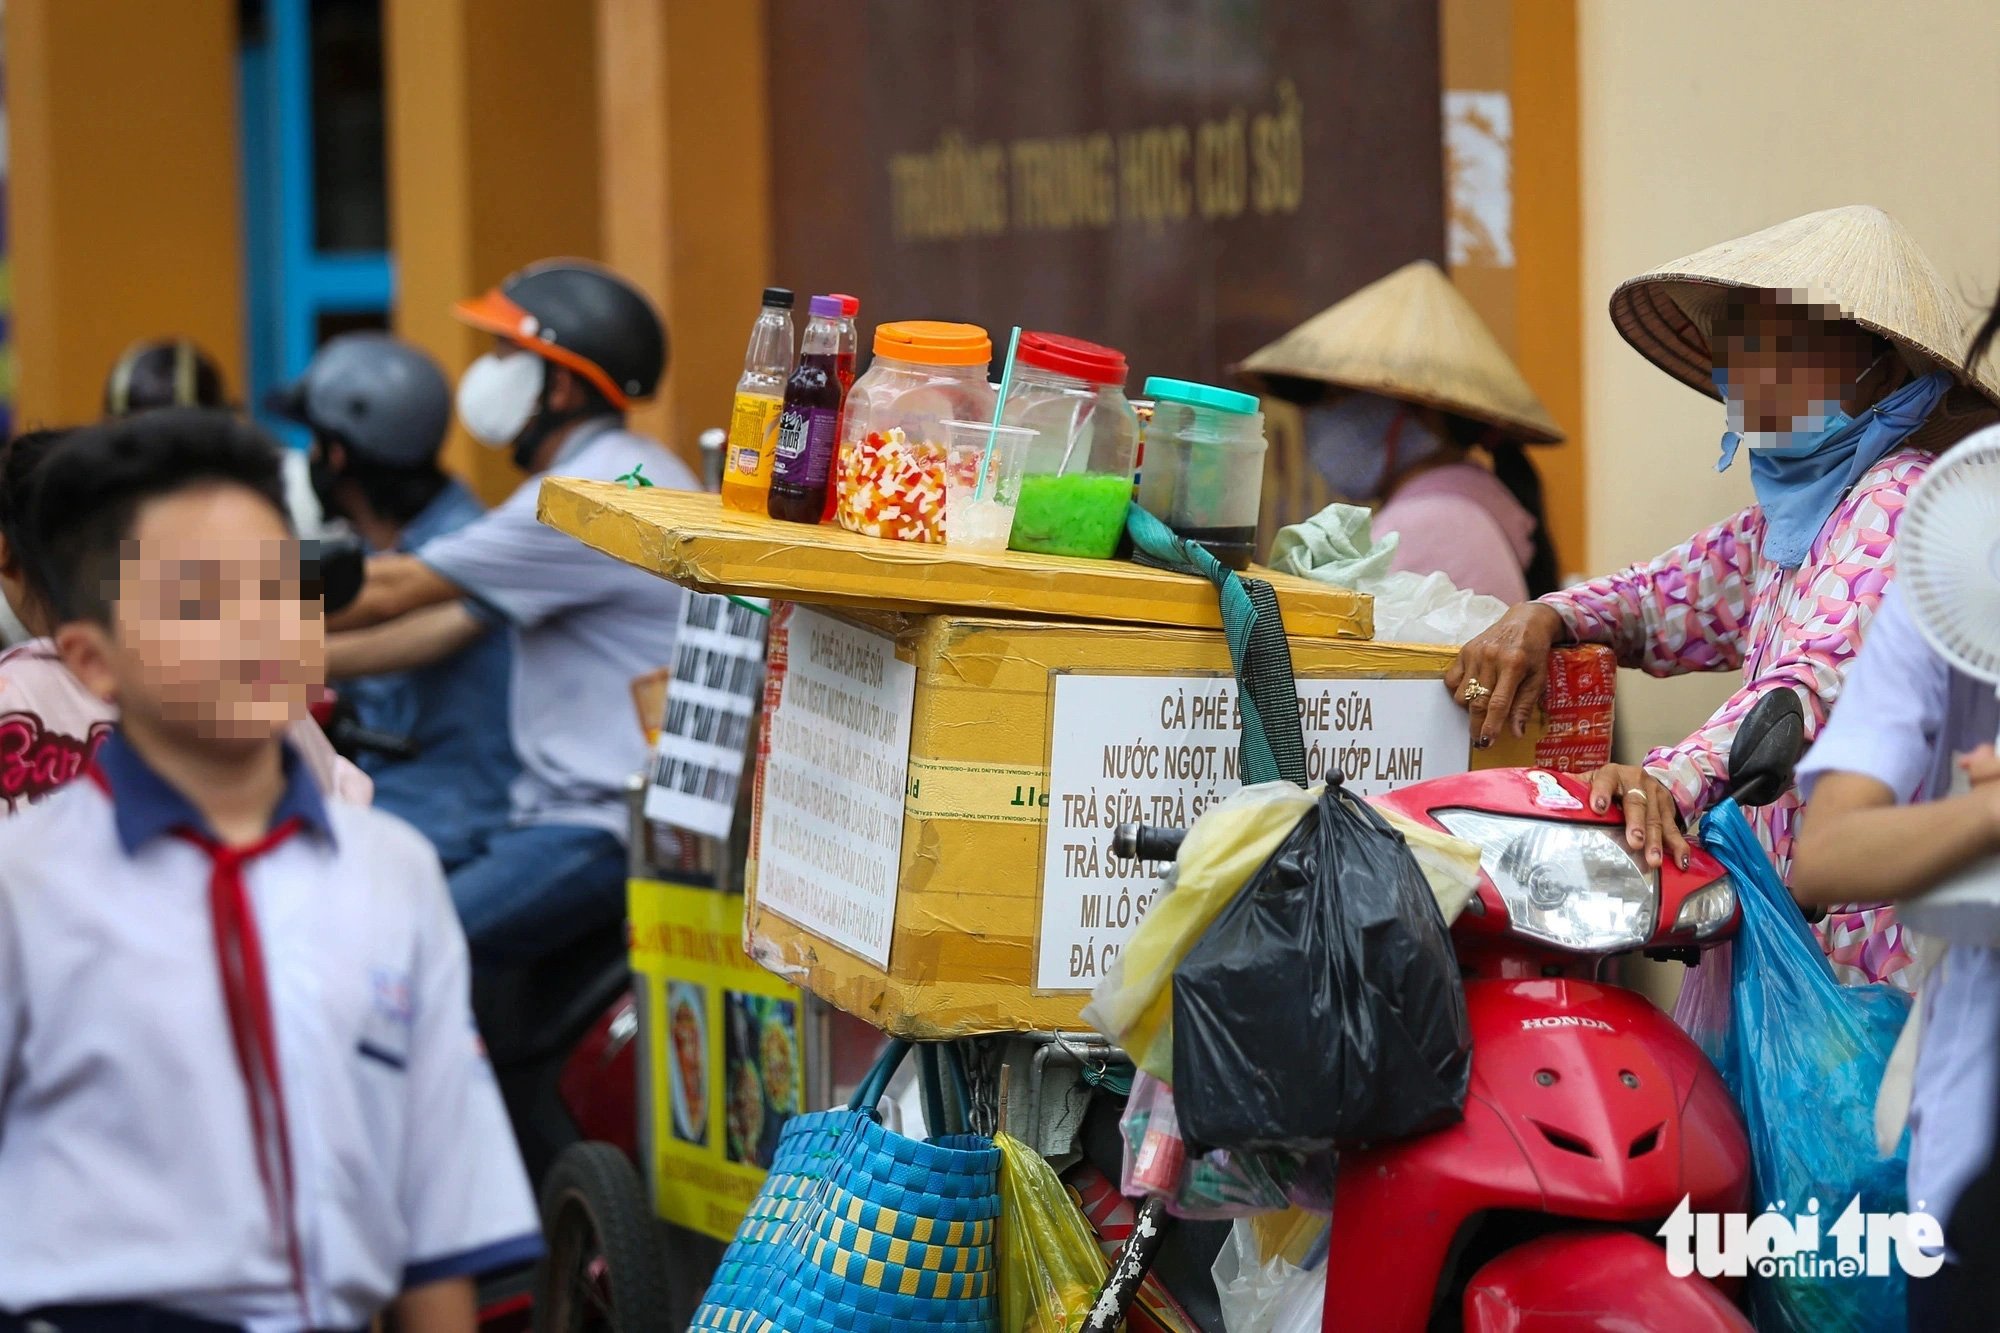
(892,486)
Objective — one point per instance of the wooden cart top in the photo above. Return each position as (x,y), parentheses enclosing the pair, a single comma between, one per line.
(690,539)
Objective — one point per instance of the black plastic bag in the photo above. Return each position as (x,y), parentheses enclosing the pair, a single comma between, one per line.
(1324,1006)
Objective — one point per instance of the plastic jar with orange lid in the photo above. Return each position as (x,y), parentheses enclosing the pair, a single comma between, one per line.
(892,445)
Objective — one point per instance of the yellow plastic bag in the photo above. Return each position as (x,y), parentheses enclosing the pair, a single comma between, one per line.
(1050,1263)
(1450,865)
(1134,1004)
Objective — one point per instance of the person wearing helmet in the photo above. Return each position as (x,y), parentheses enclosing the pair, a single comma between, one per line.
(163,372)
(574,345)
(378,408)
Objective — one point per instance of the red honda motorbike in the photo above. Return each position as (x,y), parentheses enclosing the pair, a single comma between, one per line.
(1590,1114)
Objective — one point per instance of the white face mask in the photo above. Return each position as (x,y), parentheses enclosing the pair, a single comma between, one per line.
(498,395)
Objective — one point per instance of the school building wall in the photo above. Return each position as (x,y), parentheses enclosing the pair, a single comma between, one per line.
(123,205)
(1708,119)
(638,133)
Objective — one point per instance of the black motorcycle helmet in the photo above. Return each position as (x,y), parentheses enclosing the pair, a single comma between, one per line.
(163,372)
(582,316)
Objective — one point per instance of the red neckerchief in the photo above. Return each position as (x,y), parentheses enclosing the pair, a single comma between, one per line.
(246,997)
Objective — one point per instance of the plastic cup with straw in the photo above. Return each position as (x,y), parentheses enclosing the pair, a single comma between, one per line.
(999,406)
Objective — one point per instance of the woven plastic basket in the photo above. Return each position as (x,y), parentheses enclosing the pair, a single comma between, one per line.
(862,1230)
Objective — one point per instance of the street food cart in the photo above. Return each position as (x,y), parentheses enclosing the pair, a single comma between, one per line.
(947,741)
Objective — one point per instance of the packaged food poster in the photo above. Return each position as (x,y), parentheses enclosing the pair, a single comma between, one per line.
(725,1063)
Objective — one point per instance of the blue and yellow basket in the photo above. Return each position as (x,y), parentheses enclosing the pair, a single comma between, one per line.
(861,1230)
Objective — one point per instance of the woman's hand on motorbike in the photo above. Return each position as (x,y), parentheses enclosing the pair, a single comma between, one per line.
(1652,819)
(1499,675)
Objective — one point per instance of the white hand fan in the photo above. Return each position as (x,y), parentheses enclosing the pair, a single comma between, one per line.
(1948,563)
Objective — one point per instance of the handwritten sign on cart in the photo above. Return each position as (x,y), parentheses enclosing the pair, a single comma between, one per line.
(1161,749)
(837,711)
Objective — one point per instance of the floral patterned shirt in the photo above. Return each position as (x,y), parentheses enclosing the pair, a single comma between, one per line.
(1714,603)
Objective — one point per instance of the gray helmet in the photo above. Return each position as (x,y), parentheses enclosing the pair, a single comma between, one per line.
(381,397)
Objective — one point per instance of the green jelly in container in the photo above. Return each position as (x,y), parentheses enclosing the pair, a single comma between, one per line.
(1077,483)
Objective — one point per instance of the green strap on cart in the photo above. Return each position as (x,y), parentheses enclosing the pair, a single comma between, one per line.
(1273,744)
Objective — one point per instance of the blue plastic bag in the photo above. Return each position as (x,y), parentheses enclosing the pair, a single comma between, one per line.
(1804,1056)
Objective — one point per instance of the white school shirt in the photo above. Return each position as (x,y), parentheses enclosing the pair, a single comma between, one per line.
(128,1168)
(1903,714)
(585,624)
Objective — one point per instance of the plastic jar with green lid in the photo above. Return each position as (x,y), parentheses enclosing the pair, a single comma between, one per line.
(1204,474)
(1077,483)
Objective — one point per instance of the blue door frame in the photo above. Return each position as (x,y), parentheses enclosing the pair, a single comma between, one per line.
(291,282)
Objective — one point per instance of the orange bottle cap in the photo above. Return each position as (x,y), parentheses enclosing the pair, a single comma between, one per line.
(933,342)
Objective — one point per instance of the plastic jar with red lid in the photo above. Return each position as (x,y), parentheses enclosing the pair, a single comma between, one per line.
(1078,481)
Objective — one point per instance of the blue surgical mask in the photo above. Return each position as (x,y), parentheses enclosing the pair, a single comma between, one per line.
(1801,474)
(1822,420)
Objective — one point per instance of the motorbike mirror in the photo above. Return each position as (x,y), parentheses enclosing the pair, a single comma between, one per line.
(1767,747)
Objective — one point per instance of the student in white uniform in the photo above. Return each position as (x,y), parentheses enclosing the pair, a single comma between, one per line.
(239,1083)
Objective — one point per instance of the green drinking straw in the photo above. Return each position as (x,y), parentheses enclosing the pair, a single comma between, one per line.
(999,406)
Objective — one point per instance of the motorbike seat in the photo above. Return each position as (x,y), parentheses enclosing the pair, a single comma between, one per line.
(541,1010)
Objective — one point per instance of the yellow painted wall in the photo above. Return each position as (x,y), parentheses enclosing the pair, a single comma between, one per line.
(685,121)
(1708,119)
(1527,49)
(493,163)
(123,196)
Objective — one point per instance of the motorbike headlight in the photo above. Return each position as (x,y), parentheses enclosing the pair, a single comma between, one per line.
(1707,909)
(1573,885)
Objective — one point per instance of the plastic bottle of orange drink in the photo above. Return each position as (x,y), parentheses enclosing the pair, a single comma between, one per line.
(760,398)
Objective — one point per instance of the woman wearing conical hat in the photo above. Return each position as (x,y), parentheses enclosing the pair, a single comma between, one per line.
(1398,384)
(1832,344)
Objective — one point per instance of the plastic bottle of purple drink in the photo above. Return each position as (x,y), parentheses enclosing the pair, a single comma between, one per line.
(809,429)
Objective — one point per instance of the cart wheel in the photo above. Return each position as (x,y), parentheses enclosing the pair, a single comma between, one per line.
(603,1272)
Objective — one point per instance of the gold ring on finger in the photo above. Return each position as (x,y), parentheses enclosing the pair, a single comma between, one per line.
(1474,691)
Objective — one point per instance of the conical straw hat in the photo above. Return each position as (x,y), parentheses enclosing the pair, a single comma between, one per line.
(1857,258)
(1412,336)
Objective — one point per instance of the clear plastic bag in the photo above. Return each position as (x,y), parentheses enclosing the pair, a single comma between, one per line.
(1337,546)
(1271,1274)
(1702,1008)
(1210,1185)
(1804,1056)
(1050,1263)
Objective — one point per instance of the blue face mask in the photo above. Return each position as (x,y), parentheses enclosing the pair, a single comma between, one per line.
(1801,474)
(1805,436)
(1360,442)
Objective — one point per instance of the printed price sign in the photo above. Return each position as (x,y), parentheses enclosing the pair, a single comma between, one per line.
(718,674)
(1160,750)
(837,709)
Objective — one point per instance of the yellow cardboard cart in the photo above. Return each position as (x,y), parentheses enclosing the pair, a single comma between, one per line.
(949,738)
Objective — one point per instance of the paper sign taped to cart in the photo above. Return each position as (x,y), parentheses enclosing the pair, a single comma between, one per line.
(1161,749)
(837,710)
(711,699)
